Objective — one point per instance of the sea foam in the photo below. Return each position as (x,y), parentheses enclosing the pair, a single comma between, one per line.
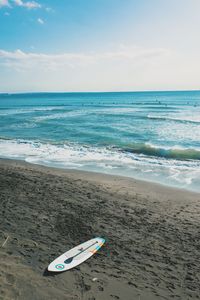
(184,174)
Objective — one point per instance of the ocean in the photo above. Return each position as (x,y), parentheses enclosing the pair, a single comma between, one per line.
(153,136)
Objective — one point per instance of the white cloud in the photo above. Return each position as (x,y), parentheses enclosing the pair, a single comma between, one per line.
(125,68)
(49,9)
(28,4)
(4,3)
(40,21)
(132,55)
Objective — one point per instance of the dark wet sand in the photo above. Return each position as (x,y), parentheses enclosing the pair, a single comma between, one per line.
(152,234)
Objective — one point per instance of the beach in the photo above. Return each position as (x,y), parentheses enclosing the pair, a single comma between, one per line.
(99,150)
(152,248)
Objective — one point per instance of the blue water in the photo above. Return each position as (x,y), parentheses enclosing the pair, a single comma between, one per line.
(153,136)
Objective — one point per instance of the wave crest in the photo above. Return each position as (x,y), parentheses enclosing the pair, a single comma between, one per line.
(181,119)
(174,153)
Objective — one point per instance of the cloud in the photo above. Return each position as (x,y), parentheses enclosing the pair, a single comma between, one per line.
(131,55)
(28,4)
(6,14)
(125,68)
(20,3)
(4,3)
(40,21)
(49,9)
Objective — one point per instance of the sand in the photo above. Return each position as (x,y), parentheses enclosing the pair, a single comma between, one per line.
(152,234)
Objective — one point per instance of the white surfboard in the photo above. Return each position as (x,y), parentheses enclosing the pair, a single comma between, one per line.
(76,256)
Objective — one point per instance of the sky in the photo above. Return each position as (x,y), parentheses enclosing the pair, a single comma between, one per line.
(99,45)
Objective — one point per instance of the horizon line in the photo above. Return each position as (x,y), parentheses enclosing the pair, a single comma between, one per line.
(93,92)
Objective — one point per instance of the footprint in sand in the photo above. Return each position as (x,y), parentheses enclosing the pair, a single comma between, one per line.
(10,279)
(115,297)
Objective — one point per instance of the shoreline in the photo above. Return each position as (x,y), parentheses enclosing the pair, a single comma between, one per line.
(151,231)
(102,177)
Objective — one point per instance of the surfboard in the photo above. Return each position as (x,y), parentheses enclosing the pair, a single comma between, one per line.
(76,255)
